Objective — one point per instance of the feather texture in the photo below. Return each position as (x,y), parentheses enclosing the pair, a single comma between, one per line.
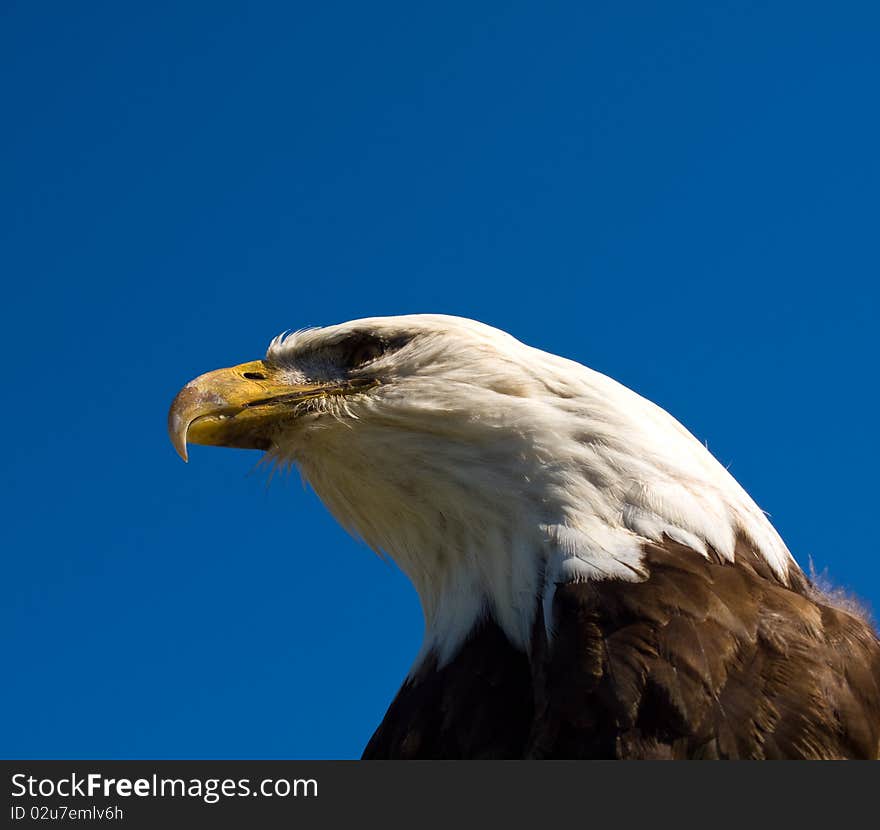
(705,658)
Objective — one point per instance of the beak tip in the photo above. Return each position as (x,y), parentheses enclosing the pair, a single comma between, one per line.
(178,426)
(181,449)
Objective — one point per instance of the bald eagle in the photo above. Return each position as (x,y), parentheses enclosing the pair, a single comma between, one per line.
(595,584)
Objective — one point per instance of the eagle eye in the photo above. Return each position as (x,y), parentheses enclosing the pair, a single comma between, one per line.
(361,348)
(364,352)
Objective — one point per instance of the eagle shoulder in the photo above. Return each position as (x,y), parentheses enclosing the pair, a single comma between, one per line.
(705,658)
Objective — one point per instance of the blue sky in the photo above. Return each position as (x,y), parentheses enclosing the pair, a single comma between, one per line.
(683,196)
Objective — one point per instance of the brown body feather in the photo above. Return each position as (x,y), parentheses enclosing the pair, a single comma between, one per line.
(704,659)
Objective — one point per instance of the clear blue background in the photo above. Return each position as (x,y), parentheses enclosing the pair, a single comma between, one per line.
(681,195)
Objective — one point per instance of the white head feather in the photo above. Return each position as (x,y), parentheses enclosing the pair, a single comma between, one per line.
(490,471)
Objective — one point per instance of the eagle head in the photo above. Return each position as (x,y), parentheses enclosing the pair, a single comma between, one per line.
(490,471)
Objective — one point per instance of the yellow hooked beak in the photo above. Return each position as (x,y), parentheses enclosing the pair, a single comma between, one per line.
(242,406)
